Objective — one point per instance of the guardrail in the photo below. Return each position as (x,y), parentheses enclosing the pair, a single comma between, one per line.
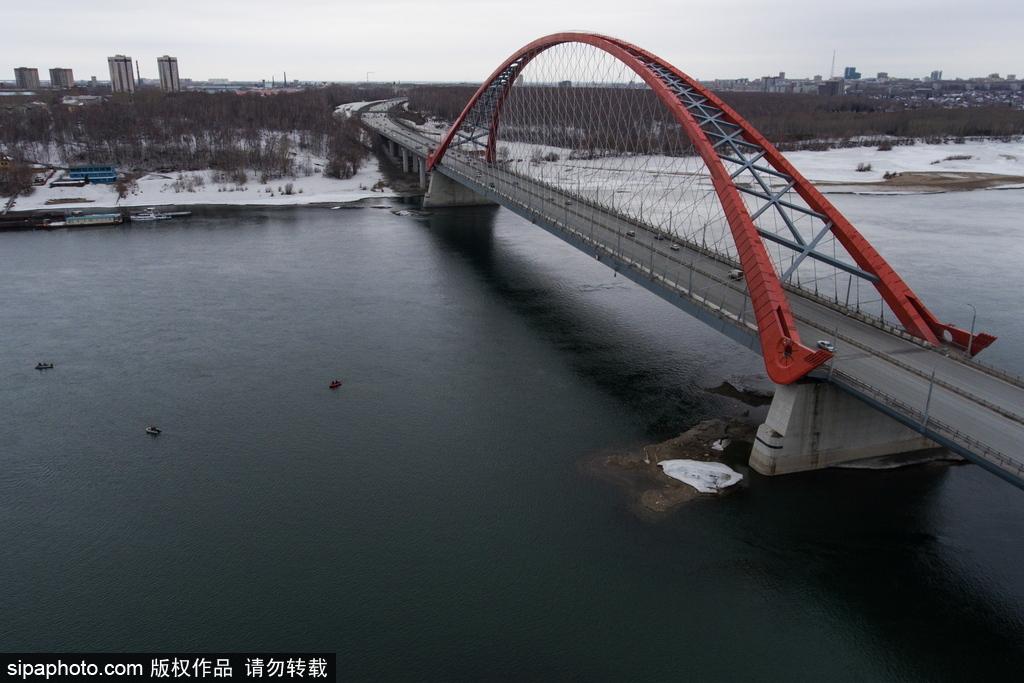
(926,423)
(702,301)
(949,386)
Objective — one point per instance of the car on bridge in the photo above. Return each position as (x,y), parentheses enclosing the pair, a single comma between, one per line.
(674,247)
(735,274)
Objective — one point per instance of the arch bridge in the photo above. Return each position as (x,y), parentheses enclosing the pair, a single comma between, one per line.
(624,156)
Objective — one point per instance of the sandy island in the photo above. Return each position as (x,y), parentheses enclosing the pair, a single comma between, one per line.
(934,181)
(652,493)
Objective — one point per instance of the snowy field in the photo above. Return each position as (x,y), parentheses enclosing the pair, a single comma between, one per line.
(840,165)
(349,109)
(831,166)
(157,189)
(706,477)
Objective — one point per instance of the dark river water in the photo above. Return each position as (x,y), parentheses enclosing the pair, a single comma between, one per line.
(431,520)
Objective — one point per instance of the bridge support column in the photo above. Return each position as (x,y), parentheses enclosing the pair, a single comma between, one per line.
(814,425)
(443,191)
(405,160)
(421,168)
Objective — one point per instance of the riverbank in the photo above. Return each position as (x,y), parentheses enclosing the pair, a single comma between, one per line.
(43,219)
(194,188)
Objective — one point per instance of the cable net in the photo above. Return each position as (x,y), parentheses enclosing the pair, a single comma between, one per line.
(583,123)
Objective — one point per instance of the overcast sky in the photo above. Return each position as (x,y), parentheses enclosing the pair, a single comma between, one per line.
(462,40)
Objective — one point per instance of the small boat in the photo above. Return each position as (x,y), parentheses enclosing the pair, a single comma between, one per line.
(154,431)
(44,366)
(335,384)
(150,214)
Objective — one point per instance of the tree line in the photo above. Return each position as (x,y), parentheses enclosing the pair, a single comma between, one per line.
(234,134)
(788,120)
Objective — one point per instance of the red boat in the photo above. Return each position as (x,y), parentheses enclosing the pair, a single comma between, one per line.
(335,384)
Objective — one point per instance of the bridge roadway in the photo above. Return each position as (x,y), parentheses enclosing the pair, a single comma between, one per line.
(971,409)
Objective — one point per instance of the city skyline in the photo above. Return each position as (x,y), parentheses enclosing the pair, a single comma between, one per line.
(254,40)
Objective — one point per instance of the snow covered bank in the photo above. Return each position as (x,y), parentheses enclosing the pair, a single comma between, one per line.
(349,109)
(160,189)
(981,156)
(706,477)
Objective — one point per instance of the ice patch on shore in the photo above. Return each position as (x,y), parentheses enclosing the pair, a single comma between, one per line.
(706,477)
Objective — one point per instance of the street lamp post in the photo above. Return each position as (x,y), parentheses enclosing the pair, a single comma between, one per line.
(970,339)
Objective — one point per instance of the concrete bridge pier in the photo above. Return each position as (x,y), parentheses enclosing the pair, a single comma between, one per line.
(421,167)
(443,191)
(405,160)
(813,425)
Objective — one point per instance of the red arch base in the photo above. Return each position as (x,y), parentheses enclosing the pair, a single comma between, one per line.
(786,359)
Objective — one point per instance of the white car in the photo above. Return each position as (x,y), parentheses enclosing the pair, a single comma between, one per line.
(827,345)
(631,233)
(735,274)
(674,247)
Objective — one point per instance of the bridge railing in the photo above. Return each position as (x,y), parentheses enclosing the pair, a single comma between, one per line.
(931,427)
(938,381)
(703,299)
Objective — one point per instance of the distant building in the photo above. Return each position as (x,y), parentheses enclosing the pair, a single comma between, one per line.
(26,78)
(936,75)
(62,79)
(168,66)
(773,84)
(850,73)
(93,174)
(882,76)
(122,76)
(565,84)
(831,87)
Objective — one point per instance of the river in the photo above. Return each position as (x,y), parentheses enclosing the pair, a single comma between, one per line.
(430,520)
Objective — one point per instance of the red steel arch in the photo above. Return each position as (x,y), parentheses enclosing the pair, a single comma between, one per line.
(786,359)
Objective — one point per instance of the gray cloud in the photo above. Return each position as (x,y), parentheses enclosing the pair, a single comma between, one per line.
(462,40)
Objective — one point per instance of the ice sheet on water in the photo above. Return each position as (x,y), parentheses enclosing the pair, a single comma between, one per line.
(706,477)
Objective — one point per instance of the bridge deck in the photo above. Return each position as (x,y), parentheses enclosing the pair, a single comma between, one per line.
(972,410)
